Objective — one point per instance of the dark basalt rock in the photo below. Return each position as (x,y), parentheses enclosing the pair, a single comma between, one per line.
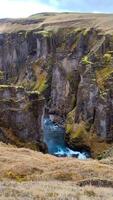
(71,67)
(20,117)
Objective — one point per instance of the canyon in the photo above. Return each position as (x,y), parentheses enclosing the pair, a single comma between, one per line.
(63,64)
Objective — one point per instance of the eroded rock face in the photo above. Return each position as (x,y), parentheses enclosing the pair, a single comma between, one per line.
(20,116)
(17,51)
(82,78)
(72,68)
(63,90)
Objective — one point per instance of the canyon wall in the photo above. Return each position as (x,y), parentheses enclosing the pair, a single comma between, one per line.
(73,69)
(20,117)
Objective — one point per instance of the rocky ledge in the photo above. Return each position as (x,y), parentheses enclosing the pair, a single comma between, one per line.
(20,117)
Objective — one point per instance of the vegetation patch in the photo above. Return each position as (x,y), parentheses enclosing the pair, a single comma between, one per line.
(1,75)
(86,61)
(79,136)
(41,84)
(86,31)
(46,33)
(14,176)
(75,130)
(107,58)
(103,75)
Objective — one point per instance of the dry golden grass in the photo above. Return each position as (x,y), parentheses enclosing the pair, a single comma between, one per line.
(27,174)
(55,20)
(52,190)
(25,164)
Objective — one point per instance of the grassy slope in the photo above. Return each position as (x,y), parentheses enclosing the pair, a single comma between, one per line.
(52,190)
(56,20)
(30,174)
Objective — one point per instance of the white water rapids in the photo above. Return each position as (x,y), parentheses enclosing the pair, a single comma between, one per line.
(54,139)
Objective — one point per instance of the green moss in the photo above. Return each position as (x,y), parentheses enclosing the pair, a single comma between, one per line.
(79,131)
(102,76)
(1,75)
(4,86)
(107,58)
(76,30)
(69,128)
(85,60)
(45,33)
(86,31)
(70,121)
(41,84)
(75,130)
(71,116)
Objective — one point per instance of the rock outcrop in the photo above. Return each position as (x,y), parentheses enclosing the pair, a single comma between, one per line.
(20,117)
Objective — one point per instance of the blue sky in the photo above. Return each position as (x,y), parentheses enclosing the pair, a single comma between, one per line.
(24,8)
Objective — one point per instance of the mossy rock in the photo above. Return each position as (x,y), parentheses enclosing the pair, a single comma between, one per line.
(41,84)
(107,58)
(86,31)
(1,75)
(46,33)
(79,136)
(103,75)
(82,139)
(77,131)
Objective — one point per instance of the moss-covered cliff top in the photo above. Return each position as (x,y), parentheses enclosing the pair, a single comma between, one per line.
(103,22)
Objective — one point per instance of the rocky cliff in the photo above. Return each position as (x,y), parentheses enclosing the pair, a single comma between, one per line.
(67,58)
(20,117)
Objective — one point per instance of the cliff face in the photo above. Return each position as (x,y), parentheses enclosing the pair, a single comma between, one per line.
(20,117)
(72,67)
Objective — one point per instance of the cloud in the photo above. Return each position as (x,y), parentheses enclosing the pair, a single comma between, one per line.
(22,8)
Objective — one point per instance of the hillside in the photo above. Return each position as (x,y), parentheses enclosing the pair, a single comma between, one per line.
(27,174)
(102,22)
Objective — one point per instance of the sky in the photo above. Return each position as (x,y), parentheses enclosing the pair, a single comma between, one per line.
(25,8)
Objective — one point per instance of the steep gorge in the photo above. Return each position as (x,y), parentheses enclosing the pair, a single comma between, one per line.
(72,67)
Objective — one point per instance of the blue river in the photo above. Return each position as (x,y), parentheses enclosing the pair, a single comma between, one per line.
(54,139)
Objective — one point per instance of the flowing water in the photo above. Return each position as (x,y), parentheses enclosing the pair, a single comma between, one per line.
(54,139)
